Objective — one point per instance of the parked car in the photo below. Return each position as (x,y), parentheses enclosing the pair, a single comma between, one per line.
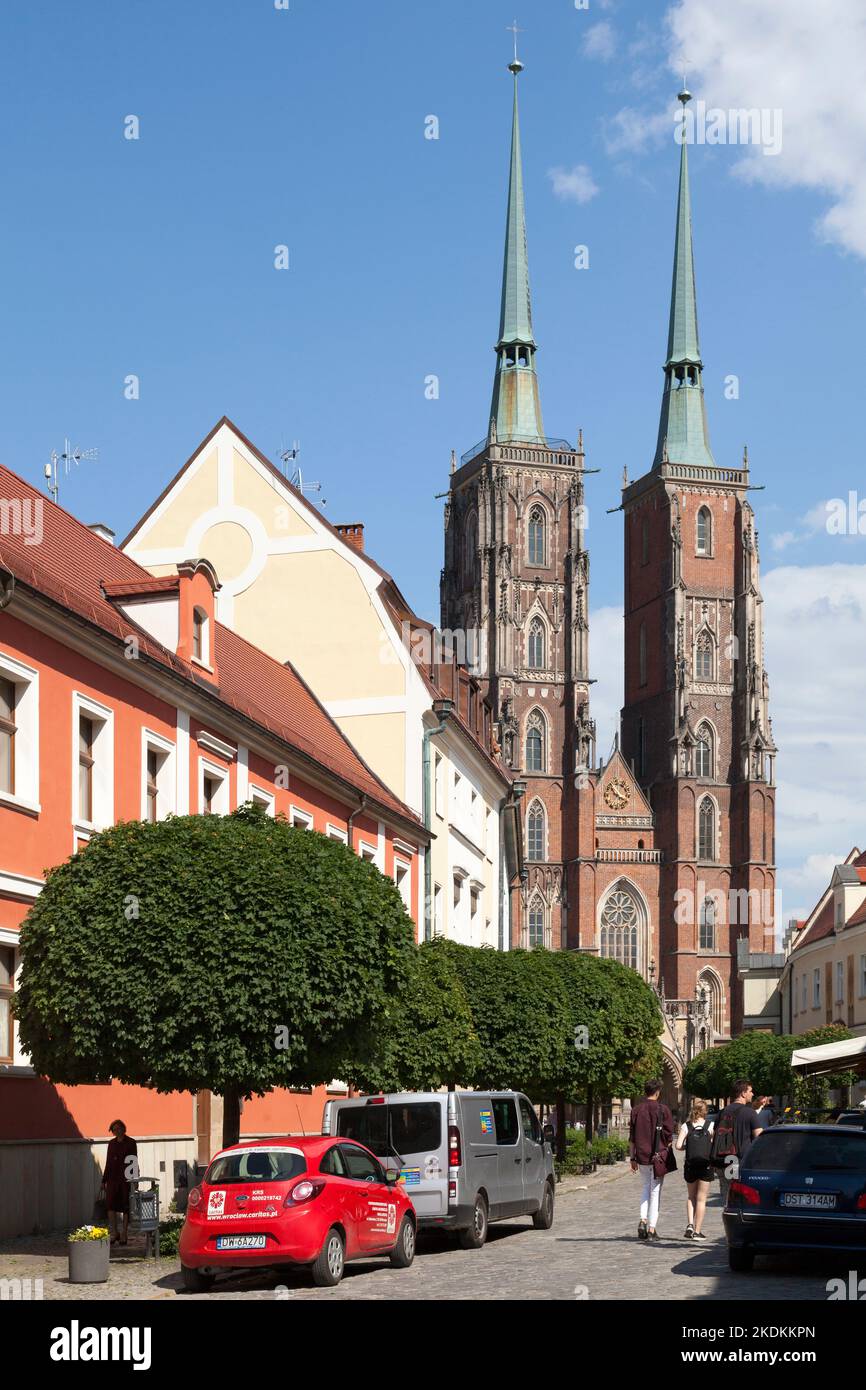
(465,1158)
(315,1202)
(801,1187)
(852,1117)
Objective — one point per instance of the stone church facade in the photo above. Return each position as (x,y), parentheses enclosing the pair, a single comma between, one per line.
(661,856)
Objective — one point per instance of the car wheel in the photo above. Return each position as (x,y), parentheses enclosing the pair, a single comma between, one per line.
(542,1219)
(195,1281)
(404,1251)
(740,1258)
(474,1236)
(330,1261)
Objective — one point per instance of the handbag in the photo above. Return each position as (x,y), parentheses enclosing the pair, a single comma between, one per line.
(663,1159)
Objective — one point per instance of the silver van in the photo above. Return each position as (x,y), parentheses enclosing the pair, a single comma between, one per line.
(466,1157)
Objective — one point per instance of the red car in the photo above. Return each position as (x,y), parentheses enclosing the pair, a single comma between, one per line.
(314,1201)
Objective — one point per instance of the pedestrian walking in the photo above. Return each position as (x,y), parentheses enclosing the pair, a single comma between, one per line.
(737,1128)
(649,1144)
(695,1139)
(121,1169)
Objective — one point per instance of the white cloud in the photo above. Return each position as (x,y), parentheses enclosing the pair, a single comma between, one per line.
(816,658)
(600,41)
(574,185)
(804,59)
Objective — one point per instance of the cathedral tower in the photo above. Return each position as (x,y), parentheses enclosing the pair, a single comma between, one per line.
(695,722)
(516,576)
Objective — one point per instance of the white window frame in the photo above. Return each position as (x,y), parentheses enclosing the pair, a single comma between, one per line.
(204,659)
(208,769)
(840,982)
(166,774)
(863,977)
(804,983)
(404,883)
(367,851)
(816,988)
(301,818)
(438,770)
(103,763)
(336,832)
(438,921)
(26,681)
(260,797)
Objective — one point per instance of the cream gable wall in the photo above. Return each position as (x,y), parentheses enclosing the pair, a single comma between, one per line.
(293,588)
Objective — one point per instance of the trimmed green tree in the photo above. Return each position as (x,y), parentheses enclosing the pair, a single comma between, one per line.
(428,1038)
(233,954)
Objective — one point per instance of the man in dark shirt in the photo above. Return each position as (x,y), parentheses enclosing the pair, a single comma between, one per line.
(741,1116)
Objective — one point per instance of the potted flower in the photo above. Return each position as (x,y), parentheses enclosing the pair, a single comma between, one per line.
(88,1255)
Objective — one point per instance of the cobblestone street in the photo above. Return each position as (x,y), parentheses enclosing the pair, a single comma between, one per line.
(591,1252)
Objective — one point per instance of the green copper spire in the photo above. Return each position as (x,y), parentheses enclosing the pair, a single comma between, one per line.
(516,410)
(683,434)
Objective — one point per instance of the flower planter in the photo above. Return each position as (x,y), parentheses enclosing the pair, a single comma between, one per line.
(88,1261)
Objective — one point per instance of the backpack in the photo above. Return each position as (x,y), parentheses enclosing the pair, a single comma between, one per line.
(724,1144)
(698,1144)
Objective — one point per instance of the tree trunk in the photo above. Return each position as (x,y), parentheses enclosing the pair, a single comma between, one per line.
(231,1116)
(590,1113)
(560,1126)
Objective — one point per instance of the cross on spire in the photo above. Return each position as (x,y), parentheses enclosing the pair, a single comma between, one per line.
(515,66)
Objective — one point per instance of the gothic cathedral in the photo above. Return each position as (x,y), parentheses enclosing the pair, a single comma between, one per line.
(661,857)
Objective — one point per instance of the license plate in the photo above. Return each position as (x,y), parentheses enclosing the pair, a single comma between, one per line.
(241,1242)
(825,1200)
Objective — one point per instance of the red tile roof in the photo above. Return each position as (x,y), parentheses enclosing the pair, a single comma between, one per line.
(821,927)
(82,572)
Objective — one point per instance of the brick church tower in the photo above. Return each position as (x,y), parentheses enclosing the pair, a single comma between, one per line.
(516,573)
(695,722)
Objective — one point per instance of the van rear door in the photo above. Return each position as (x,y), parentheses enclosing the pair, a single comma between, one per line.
(419,1133)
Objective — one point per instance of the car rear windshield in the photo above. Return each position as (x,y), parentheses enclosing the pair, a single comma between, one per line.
(780,1150)
(409,1128)
(257,1165)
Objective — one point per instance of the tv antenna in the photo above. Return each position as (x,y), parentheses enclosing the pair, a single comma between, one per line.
(296,480)
(70,456)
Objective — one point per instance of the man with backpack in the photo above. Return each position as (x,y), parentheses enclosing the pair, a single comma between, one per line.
(736,1130)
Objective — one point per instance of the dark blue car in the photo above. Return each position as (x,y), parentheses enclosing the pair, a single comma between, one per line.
(800,1187)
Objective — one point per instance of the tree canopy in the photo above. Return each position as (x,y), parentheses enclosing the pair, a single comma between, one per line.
(231,953)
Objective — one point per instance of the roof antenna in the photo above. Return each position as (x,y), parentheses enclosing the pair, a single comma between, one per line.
(70,456)
(287,456)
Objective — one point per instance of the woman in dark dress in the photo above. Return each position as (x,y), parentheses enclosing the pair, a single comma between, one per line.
(121,1168)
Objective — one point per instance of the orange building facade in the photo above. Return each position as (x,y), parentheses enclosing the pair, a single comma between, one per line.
(122,698)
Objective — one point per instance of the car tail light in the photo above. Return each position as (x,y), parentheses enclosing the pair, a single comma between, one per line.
(376,1100)
(304,1191)
(750,1195)
(194,1198)
(452,1192)
(861,1202)
(455,1157)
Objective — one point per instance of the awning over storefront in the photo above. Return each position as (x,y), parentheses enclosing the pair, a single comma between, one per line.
(827,1058)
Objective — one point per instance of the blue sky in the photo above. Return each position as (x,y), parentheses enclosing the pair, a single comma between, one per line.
(305,126)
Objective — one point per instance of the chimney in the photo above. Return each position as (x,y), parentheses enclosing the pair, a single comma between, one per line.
(99,528)
(353,533)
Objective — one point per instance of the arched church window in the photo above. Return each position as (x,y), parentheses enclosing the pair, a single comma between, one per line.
(535,831)
(535,645)
(707,829)
(710,982)
(704,752)
(618,939)
(535,743)
(470,550)
(535,923)
(704,532)
(707,926)
(537,538)
(705,657)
